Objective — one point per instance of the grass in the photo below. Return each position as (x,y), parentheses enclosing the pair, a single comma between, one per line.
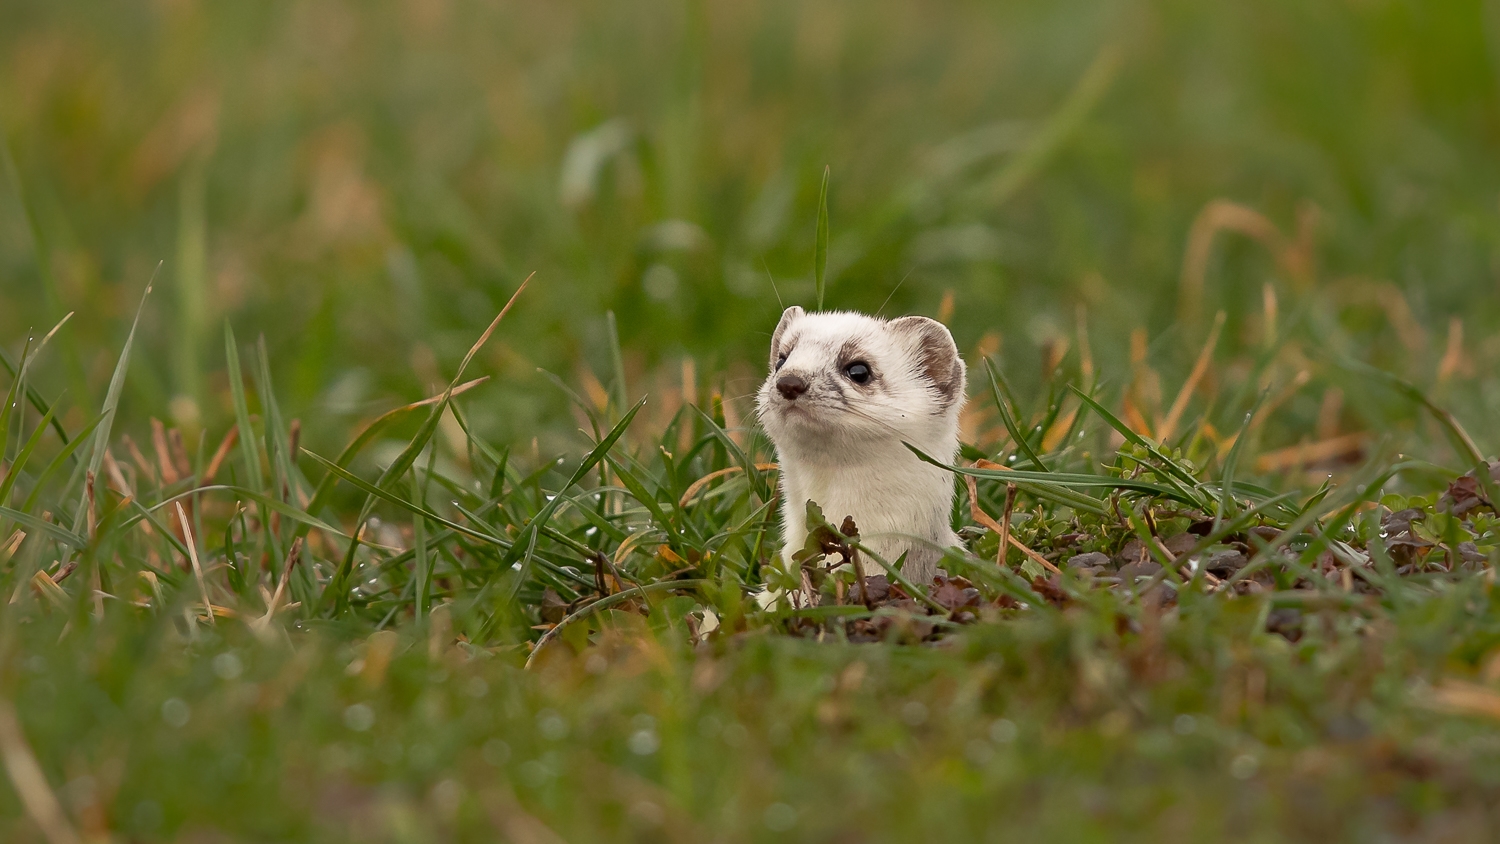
(1221,276)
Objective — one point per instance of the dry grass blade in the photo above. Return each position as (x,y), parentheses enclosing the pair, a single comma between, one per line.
(1200,368)
(220,455)
(516,824)
(1453,356)
(30,782)
(1037,558)
(8,548)
(1003,530)
(1224,215)
(1465,698)
(49,590)
(976,512)
(485,337)
(169,474)
(629,544)
(1005,517)
(192,546)
(1304,454)
(264,622)
(116,475)
(698,485)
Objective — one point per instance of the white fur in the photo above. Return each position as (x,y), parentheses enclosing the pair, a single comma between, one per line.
(842,447)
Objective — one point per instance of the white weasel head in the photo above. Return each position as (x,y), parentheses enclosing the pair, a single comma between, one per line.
(844,380)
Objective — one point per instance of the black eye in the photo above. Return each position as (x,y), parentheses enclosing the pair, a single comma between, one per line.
(858,372)
(779,361)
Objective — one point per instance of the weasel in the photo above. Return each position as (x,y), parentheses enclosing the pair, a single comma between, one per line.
(844,393)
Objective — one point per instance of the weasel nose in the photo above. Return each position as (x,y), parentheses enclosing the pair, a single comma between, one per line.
(790,387)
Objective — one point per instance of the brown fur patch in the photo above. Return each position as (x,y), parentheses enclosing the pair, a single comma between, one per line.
(937,355)
(789,316)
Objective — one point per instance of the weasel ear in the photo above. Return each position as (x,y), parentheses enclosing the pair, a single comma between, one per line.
(789,316)
(937,356)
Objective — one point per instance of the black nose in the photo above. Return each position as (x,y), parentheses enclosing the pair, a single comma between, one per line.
(790,387)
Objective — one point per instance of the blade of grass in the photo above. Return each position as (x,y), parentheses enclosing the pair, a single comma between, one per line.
(67,537)
(277,438)
(1200,367)
(249,451)
(1011,425)
(1232,461)
(1090,88)
(377,492)
(101,435)
(820,244)
(423,571)
(619,394)
(640,493)
(1168,471)
(16,386)
(66,453)
(40,404)
(13,473)
(1060,479)
(531,529)
(605,603)
(368,435)
(1462,442)
(407,457)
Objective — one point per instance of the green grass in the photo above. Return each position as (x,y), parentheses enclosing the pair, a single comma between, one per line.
(195,647)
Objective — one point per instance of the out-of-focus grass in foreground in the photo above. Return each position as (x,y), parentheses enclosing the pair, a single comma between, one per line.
(1232,271)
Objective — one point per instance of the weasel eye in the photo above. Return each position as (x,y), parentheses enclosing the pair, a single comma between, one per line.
(779,361)
(858,372)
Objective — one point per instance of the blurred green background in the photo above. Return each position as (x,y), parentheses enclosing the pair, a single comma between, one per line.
(366,183)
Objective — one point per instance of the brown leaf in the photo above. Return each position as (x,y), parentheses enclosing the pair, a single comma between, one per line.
(1466,494)
(1050,591)
(954,593)
(878,589)
(554,608)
